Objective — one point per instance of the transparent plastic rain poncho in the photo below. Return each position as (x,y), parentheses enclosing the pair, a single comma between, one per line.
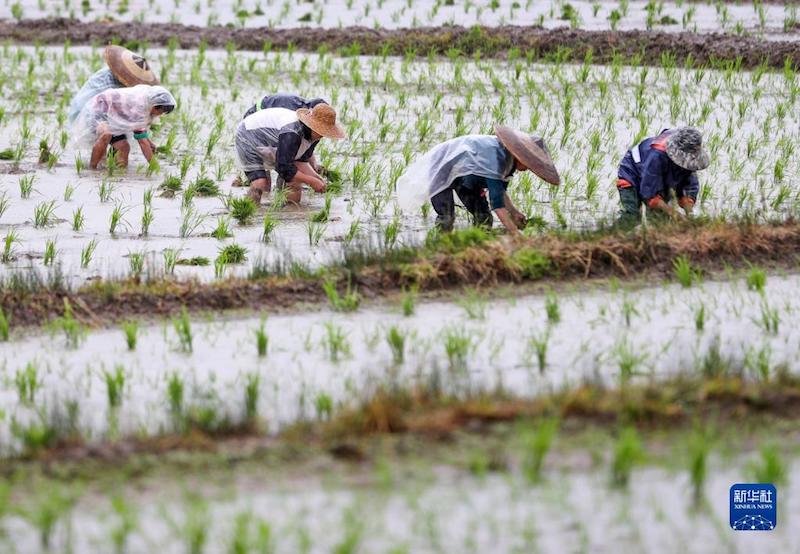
(481,155)
(101,81)
(258,136)
(119,112)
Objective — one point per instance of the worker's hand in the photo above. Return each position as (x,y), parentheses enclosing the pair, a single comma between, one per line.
(318,185)
(520,220)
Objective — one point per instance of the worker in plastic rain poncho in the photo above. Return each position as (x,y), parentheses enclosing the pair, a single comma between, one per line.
(290,102)
(123,69)
(473,167)
(277,139)
(658,168)
(118,112)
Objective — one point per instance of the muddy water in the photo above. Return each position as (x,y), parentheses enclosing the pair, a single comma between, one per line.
(475,344)
(426,506)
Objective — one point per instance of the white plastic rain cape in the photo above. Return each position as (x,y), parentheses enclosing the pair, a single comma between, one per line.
(258,135)
(100,81)
(481,155)
(119,112)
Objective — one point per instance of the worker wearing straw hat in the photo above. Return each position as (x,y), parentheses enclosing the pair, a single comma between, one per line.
(474,167)
(290,102)
(123,69)
(284,140)
(658,168)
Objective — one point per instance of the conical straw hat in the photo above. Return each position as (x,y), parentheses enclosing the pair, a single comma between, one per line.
(530,151)
(130,69)
(322,119)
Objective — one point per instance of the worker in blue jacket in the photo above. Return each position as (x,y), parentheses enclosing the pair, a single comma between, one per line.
(658,168)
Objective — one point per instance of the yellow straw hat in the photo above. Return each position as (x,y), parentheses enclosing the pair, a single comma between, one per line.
(130,69)
(322,119)
(530,151)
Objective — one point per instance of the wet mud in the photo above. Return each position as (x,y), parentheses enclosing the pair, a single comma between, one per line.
(646,47)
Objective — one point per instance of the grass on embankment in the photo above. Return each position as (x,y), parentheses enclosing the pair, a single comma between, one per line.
(471,257)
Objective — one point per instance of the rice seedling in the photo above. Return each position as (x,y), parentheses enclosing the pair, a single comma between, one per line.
(756,279)
(700,317)
(69,190)
(171,184)
(222,230)
(191,220)
(46,510)
(5,326)
(474,304)
(183,329)
(270,223)
(147,219)
(170,256)
(341,303)
(131,331)
(9,253)
(770,467)
(699,446)
(5,202)
(262,340)
(770,318)
(27,382)
(552,309)
(44,213)
(87,252)
(233,254)
(220,264)
(73,330)
(136,262)
(315,232)
(684,272)
(628,452)
(397,344)
(536,444)
(115,384)
(175,397)
(323,404)
(537,345)
(242,209)
(105,190)
(408,302)
(49,252)
(251,394)
(117,215)
(125,523)
(458,345)
(26,186)
(78,219)
(195,261)
(335,342)
(204,186)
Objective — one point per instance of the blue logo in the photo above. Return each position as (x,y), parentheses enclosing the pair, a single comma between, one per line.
(754,507)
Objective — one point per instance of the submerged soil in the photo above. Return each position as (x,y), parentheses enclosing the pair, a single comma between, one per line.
(642,46)
(552,258)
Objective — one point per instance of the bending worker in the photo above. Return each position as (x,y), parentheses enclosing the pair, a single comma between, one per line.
(119,112)
(472,166)
(124,69)
(658,168)
(284,140)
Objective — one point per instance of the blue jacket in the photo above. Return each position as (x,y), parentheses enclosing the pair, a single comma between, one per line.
(654,175)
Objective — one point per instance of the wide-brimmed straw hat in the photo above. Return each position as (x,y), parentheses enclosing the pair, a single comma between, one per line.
(530,151)
(322,119)
(130,69)
(685,148)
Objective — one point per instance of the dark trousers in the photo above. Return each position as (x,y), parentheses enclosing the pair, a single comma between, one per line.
(630,212)
(471,191)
